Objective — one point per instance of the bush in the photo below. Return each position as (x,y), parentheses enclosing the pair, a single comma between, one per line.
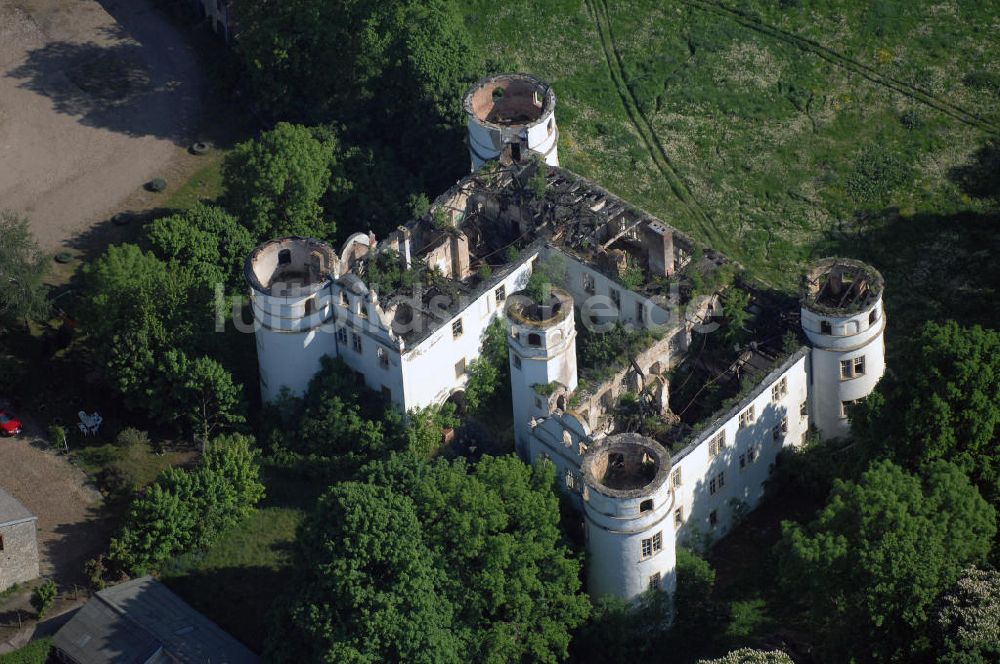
(43,596)
(877,173)
(36,652)
(128,438)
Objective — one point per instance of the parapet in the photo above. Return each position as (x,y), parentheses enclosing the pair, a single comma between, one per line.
(841,287)
(298,265)
(522,310)
(626,465)
(509,100)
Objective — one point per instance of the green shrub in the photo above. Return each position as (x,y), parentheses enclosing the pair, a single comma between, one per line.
(43,596)
(877,173)
(36,652)
(129,438)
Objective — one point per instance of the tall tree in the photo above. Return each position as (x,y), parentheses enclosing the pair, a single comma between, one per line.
(493,529)
(203,394)
(22,269)
(872,562)
(966,622)
(942,401)
(275,183)
(206,238)
(365,586)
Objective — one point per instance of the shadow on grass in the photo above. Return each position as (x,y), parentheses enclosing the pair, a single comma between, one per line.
(238,599)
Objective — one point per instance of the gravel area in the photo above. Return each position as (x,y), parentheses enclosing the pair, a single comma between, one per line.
(96,98)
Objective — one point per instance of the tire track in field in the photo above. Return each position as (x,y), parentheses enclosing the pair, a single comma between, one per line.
(616,71)
(936,102)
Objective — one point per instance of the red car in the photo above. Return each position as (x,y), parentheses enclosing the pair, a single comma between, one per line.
(9,425)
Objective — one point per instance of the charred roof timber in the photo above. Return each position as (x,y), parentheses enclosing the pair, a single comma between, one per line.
(840,286)
(509,100)
(626,465)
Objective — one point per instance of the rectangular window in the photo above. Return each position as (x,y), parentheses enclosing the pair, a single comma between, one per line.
(588,283)
(747,417)
(383,358)
(716,444)
(342,335)
(654,581)
(859,366)
(675,478)
(845,406)
(779,389)
(779,430)
(846,369)
(713,518)
(640,312)
(1,542)
(678,517)
(456,329)
(460,368)
(570,480)
(616,298)
(825,327)
(752,454)
(804,409)
(712,486)
(743,461)
(517,362)
(652,545)
(500,294)
(721,477)
(356,342)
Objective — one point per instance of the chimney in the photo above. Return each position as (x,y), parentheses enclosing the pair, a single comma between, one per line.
(459,256)
(660,241)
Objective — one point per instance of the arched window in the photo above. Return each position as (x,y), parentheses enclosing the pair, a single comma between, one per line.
(310,306)
(534,339)
(284,257)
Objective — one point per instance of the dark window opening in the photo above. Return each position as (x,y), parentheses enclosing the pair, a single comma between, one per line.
(825,327)
(534,339)
(646,505)
(284,257)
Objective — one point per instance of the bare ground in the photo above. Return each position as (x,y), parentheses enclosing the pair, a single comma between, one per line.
(97,97)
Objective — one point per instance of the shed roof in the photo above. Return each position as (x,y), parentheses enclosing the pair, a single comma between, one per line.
(12,510)
(140,621)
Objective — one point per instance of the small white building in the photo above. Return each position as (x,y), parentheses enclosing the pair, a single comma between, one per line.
(408,313)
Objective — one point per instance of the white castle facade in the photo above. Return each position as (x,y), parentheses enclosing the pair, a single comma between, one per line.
(407,313)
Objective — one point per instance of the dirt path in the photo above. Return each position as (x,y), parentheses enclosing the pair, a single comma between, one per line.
(71,528)
(96,98)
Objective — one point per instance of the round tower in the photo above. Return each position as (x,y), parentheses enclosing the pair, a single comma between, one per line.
(516,110)
(843,318)
(290,299)
(627,507)
(542,347)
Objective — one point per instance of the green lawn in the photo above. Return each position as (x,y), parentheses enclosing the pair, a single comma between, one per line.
(204,185)
(237,581)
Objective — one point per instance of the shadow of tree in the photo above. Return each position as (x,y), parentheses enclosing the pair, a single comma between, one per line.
(116,86)
(980,178)
(74,544)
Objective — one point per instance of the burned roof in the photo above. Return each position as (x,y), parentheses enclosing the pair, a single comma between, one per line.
(626,465)
(841,286)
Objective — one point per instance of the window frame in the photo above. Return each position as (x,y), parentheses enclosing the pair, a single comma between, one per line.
(457,329)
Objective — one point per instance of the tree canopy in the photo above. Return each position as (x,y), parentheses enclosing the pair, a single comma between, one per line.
(871,564)
(966,622)
(275,184)
(22,270)
(365,587)
(942,401)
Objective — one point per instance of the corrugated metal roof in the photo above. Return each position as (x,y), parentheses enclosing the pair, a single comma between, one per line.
(11,510)
(141,619)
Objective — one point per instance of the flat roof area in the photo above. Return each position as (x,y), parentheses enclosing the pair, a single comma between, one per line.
(12,510)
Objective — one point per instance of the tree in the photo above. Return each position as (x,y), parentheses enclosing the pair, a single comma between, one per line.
(138,309)
(205,238)
(185,509)
(966,623)
(275,183)
(43,596)
(204,393)
(620,631)
(941,402)
(694,609)
(872,562)
(750,656)
(734,310)
(364,588)
(489,374)
(493,529)
(22,270)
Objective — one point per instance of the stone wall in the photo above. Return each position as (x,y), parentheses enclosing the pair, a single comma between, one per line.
(19,557)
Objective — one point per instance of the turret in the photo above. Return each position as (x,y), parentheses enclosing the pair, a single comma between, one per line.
(843,318)
(542,346)
(514,112)
(290,298)
(627,504)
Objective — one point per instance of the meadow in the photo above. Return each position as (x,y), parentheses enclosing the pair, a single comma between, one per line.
(774,131)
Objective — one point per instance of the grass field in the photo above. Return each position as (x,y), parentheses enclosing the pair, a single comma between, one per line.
(772,131)
(36,652)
